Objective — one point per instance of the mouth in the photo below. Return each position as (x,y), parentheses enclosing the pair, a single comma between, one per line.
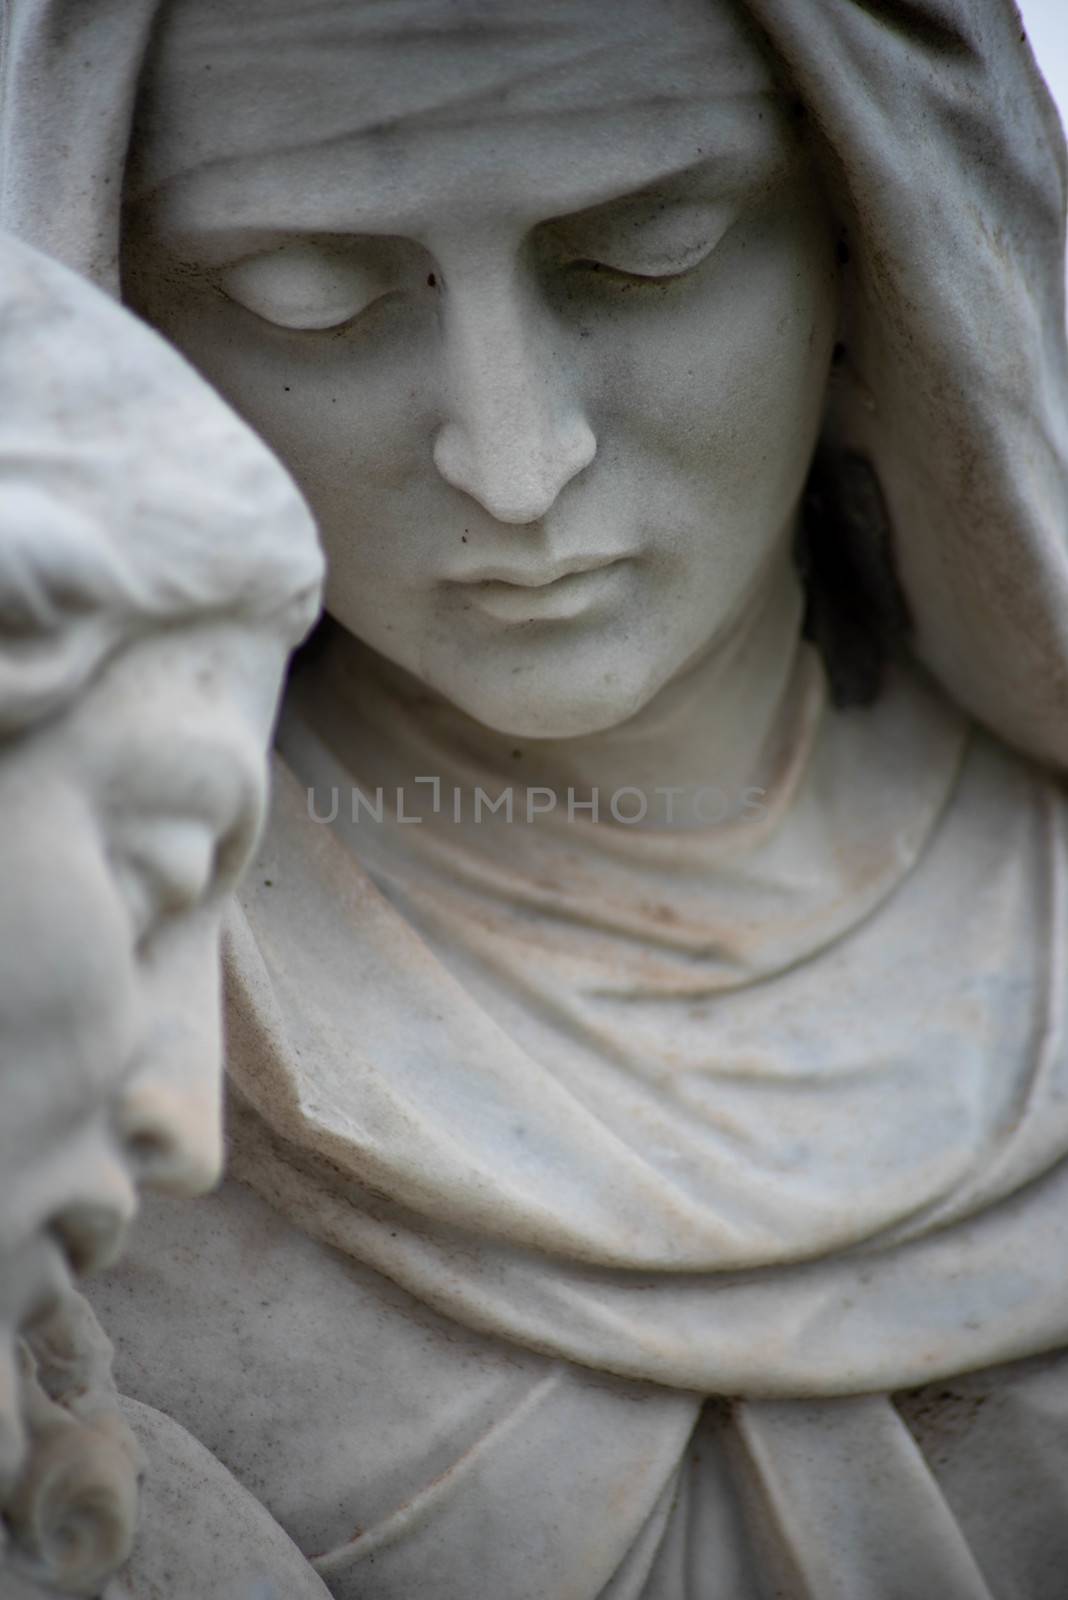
(540,594)
(89,1237)
(39,1276)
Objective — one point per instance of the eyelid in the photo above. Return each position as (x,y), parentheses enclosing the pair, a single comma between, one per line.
(166,866)
(661,240)
(303,286)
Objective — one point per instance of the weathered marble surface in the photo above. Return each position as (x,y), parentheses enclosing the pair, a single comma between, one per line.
(660,1205)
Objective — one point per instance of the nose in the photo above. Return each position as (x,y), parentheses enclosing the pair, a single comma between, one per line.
(168,1117)
(514,435)
(172,1139)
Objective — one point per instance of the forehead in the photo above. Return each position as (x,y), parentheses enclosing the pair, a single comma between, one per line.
(389,109)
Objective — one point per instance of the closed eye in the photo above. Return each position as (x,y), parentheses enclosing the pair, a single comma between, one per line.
(643,241)
(623,274)
(305,286)
(166,867)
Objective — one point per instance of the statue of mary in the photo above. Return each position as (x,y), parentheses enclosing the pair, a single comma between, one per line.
(649,1078)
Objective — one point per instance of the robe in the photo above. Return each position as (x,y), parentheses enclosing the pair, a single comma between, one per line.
(572,1251)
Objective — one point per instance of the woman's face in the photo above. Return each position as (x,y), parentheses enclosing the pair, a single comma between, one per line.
(539,314)
(123,825)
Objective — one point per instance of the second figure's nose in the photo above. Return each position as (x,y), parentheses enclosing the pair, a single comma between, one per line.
(173,1140)
(514,435)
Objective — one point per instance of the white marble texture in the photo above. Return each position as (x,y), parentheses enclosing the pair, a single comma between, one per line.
(620,1207)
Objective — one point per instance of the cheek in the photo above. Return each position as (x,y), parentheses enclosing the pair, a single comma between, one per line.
(69,1017)
(351,413)
(66,961)
(732,373)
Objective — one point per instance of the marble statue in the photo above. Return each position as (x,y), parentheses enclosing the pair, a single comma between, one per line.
(156,567)
(648,1080)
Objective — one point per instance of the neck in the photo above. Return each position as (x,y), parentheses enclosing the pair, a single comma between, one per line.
(703,745)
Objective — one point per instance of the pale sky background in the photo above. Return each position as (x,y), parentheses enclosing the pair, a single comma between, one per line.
(1047,24)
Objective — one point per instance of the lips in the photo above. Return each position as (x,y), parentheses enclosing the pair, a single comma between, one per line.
(554,595)
(537,578)
(36,1276)
(90,1236)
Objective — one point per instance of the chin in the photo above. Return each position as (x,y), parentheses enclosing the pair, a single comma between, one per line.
(552,706)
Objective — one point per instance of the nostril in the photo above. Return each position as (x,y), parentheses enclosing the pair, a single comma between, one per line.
(147,1147)
(149,1144)
(141,1128)
(171,1141)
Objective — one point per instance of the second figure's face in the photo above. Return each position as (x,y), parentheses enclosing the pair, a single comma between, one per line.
(540,318)
(123,826)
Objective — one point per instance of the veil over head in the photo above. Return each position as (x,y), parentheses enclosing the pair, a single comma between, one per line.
(945,158)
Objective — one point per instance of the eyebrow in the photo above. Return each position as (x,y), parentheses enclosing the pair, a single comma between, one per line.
(234,203)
